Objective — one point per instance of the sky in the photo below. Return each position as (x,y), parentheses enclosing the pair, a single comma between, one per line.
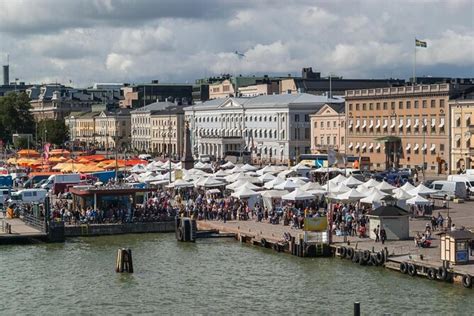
(87,41)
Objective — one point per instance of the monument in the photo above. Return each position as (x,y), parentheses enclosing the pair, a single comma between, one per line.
(187,160)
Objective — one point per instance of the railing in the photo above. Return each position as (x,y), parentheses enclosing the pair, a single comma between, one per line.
(34,222)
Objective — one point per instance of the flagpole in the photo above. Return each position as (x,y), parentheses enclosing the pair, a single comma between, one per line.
(414,65)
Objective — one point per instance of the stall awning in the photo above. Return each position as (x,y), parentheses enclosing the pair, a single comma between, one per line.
(378,147)
(400,125)
(433,147)
(378,124)
(364,125)
(371,124)
(371,146)
(416,147)
(351,145)
(364,146)
(357,146)
(424,147)
(408,147)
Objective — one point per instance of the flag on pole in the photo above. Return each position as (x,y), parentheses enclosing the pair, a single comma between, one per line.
(419,43)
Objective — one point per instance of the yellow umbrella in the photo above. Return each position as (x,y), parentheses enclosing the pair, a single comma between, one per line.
(11,161)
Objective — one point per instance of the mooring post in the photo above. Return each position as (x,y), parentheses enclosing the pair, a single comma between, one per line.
(356,309)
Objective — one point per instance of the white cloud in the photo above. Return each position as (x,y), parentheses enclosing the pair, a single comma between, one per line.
(143,41)
(117,62)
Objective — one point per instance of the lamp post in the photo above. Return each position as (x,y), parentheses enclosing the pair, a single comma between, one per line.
(242,129)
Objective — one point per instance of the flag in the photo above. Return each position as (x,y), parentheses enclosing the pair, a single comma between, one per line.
(419,43)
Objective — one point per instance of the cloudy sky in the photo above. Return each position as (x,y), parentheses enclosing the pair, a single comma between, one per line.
(88,41)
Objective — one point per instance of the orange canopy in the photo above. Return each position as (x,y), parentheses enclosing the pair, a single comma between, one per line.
(28,152)
(59,152)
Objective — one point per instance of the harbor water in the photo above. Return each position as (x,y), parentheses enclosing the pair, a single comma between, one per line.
(207,277)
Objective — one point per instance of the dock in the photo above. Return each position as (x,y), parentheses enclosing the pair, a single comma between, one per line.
(16,230)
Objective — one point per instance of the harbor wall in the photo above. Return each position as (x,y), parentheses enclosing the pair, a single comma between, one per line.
(117,229)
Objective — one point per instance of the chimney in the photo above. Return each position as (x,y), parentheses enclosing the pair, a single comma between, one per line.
(6,74)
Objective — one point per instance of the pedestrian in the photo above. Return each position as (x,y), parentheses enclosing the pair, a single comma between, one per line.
(376,232)
(383,235)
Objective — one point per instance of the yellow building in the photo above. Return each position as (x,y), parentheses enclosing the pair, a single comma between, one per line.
(462,130)
(328,129)
(82,128)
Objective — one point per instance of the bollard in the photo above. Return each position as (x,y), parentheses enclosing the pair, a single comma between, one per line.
(356,309)
(124,262)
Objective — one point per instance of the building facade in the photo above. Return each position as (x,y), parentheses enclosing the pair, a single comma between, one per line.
(259,89)
(405,126)
(328,129)
(462,131)
(139,95)
(273,128)
(81,127)
(158,128)
(113,130)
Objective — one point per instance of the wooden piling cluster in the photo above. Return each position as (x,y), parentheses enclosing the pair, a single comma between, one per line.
(124,261)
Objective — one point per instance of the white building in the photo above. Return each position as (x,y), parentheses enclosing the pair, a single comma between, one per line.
(272,127)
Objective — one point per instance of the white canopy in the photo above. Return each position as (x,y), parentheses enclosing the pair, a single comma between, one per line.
(228,165)
(286,185)
(271,184)
(248,167)
(209,182)
(401,194)
(220,173)
(318,192)
(180,183)
(266,177)
(351,195)
(338,179)
(340,188)
(407,186)
(242,183)
(311,186)
(298,195)
(373,190)
(287,173)
(375,197)
(326,169)
(418,200)
(138,169)
(268,169)
(274,194)
(244,193)
(237,169)
(371,183)
(202,166)
(297,181)
(300,167)
(385,186)
(352,182)
(421,189)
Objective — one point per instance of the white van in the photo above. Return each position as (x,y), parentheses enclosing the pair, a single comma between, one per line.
(29,196)
(468,180)
(146,157)
(449,190)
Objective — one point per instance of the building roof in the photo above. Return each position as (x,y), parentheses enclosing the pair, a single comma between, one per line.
(160,108)
(268,101)
(388,210)
(338,107)
(338,84)
(459,234)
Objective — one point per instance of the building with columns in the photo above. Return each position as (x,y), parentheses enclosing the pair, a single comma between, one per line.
(113,127)
(273,127)
(462,132)
(328,129)
(158,128)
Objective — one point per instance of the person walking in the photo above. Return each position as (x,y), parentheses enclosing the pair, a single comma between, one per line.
(376,232)
(383,235)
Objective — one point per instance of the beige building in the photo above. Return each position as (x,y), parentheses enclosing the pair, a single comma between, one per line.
(462,130)
(221,90)
(111,127)
(158,128)
(259,89)
(82,128)
(328,129)
(402,126)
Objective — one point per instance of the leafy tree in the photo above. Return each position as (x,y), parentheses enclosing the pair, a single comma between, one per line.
(22,143)
(15,115)
(55,131)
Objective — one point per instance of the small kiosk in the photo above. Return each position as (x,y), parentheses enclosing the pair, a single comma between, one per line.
(455,246)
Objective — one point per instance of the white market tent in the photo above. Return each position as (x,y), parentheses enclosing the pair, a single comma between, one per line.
(138,169)
(374,198)
(371,183)
(401,194)
(266,177)
(317,192)
(350,196)
(421,189)
(408,186)
(181,184)
(248,167)
(301,168)
(269,195)
(372,191)
(221,173)
(340,188)
(271,184)
(418,200)
(297,181)
(298,195)
(312,186)
(287,173)
(326,170)
(268,169)
(352,182)
(228,165)
(209,183)
(237,169)
(244,193)
(286,185)
(338,179)
(385,186)
(236,186)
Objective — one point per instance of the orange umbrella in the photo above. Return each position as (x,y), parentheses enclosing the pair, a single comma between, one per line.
(28,152)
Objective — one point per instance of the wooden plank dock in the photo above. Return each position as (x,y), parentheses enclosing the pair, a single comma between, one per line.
(19,231)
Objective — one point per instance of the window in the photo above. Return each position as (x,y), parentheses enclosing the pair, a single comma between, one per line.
(433,103)
(392,105)
(315,125)
(328,124)
(441,103)
(307,133)
(371,106)
(400,105)
(315,140)
(342,140)
(322,140)
(424,103)
(328,138)
(226,88)
(385,105)
(297,117)
(416,105)
(306,117)
(363,107)
(408,104)
(334,124)
(334,140)
(441,147)
(342,123)
(377,106)
(350,106)
(357,106)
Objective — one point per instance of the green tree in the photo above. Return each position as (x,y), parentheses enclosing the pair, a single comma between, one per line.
(55,131)
(22,143)
(15,115)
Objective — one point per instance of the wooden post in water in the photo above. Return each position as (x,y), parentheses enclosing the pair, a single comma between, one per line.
(124,262)
(356,309)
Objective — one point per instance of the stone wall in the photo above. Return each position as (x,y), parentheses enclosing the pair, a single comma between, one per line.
(117,229)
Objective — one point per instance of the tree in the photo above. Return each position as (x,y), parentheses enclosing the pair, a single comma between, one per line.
(15,115)
(53,131)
